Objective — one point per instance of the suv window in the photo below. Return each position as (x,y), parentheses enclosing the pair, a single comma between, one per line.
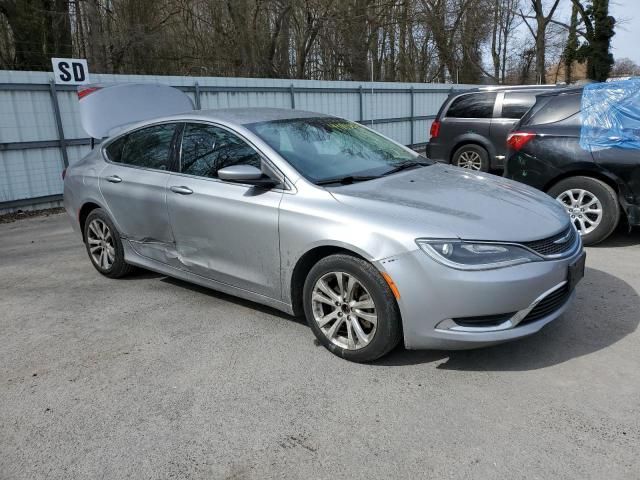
(516,104)
(148,147)
(206,149)
(475,105)
(553,109)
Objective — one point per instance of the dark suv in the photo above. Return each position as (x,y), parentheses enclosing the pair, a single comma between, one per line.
(596,184)
(471,128)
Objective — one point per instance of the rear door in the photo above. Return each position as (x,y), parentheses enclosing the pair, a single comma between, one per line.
(224,231)
(468,114)
(510,107)
(133,184)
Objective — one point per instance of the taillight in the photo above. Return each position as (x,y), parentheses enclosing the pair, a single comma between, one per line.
(435,129)
(64,173)
(84,91)
(517,140)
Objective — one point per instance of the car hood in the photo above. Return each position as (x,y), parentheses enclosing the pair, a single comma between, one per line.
(442,201)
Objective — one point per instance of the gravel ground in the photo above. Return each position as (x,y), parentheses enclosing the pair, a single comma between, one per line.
(149,377)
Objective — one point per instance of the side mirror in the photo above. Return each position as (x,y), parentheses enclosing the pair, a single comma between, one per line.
(246,174)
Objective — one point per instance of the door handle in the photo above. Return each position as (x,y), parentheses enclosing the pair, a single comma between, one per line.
(113,179)
(181,190)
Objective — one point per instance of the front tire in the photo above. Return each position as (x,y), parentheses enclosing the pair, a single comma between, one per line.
(351,309)
(471,157)
(104,246)
(592,205)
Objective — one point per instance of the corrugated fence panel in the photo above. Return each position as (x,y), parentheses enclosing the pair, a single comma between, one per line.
(37,172)
(30,173)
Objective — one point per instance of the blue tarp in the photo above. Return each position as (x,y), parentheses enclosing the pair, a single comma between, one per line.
(610,115)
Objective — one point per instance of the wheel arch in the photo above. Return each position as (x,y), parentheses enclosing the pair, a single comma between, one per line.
(304,265)
(617,186)
(84,212)
(472,140)
(609,180)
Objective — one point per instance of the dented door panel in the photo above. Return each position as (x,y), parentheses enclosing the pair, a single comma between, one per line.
(227,232)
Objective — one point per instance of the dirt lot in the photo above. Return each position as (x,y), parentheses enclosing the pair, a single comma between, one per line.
(150,377)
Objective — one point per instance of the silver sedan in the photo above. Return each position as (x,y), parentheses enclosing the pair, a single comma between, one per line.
(318,216)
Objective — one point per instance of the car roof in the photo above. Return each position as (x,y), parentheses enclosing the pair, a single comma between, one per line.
(505,88)
(501,88)
(244,116)
(226,116)
(563,91)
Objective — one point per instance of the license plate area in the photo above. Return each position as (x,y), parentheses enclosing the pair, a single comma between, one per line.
(576,271)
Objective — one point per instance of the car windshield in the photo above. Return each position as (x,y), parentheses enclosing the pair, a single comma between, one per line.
(329,150)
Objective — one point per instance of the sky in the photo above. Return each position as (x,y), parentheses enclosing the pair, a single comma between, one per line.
(625,43)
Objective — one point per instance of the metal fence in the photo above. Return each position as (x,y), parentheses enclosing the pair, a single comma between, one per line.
(40,131)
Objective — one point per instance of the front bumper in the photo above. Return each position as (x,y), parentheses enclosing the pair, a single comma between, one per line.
(431,295)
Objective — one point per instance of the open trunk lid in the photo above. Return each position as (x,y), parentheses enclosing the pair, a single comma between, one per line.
(107,108)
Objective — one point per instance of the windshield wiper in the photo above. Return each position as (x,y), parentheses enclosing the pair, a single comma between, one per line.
(349,179)
(406,166)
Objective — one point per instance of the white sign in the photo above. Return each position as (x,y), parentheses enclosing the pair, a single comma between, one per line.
(70,71)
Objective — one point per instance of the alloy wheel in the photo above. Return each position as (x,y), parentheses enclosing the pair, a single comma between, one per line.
(344,310)
(470,159)
(584,208)
(101,245)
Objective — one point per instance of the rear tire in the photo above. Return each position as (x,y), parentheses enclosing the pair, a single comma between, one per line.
(359,321)
(472,157)
(591,203)
(104,246)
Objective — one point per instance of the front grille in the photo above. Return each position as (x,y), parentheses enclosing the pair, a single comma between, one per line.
(548,246)
(548,305)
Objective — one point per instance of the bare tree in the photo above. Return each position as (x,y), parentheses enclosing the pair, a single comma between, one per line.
(504,24)
(625,67)
(539,33)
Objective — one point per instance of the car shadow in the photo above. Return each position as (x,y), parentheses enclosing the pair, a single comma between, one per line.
(621,237)
(231,299)
(605,310)
(141,274)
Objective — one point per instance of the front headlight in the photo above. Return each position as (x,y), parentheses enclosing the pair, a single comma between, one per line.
(475,255)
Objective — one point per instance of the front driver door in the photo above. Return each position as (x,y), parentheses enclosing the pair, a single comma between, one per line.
(133,184)
(224,231)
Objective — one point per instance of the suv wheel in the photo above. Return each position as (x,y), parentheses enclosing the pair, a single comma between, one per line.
(472,157)
(351,309)
(591,204)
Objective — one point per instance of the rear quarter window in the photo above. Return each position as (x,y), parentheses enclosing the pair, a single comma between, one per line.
(148,147)
(553,109)
(114,150)
(474,105)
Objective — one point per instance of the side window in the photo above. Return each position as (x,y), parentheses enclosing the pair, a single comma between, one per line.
(206,149)
(475,105)
(149,147)
(114,150)
(516,104)
(557,108)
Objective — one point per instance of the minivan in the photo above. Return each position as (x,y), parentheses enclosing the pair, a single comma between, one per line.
(471,128)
